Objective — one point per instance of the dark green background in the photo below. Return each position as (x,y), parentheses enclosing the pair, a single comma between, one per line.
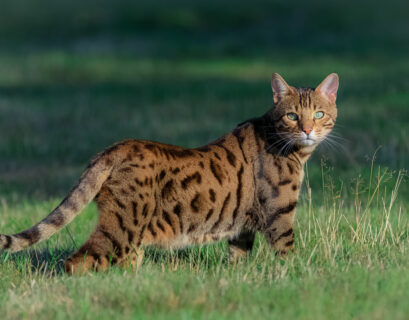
(76,76)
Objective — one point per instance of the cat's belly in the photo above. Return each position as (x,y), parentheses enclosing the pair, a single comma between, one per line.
(184,240)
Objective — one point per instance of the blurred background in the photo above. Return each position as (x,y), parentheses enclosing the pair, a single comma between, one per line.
(77,76)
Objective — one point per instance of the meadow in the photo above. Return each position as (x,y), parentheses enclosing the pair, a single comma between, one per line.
(76,77)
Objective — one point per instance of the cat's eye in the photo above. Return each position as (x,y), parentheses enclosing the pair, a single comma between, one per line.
(318,115)
(292,116)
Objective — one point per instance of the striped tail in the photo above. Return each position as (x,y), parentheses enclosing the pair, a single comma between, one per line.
(83,193)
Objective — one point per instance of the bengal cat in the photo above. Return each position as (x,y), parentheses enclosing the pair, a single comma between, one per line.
(149,193)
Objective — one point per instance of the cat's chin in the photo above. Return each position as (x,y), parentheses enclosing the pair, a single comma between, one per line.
(306,143)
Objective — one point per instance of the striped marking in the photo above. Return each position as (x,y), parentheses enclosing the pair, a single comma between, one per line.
(238,195)
(116,246)
(209,214)
(145,210)
(141,233)
(222,212)
(216,171)
(120,221)
(57,219)
(290,168)
(195,203)
(162,175)
(167,189)
(153,232)
(192,228)
(212,195)
(281,211)
(284,182)
(285,234)
(120,204)
(130,236)
(168,220)
(240,141)
(177,209)
(189,179)
(160,226)
(231,158)
(32,235)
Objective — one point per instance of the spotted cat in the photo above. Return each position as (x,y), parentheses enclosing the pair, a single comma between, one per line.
(149,193)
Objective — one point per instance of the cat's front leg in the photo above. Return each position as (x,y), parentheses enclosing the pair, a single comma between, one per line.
(280,233)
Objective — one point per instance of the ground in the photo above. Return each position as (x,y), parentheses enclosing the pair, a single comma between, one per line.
(75,78)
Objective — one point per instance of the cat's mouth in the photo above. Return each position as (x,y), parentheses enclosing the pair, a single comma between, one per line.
(306,142)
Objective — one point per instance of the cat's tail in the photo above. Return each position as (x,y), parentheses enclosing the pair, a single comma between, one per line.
(84,192)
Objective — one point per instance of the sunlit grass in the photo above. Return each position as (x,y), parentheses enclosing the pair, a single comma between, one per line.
(346,253)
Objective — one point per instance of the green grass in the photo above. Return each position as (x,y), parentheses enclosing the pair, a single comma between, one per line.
(79,76)
(350,262)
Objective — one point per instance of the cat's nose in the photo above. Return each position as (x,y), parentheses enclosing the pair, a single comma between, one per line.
(307,130)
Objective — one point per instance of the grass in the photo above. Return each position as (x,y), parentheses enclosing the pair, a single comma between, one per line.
(77,77)
(350,262)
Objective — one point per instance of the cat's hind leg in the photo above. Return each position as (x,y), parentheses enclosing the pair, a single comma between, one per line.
(95,255)
(115,238)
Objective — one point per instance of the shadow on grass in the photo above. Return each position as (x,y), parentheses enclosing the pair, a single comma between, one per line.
(45,261)
(50,261)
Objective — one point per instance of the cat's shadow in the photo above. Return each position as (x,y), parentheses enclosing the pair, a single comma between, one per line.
(44,261)
(50,261)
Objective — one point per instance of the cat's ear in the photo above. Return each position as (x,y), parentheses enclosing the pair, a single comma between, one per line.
(280,87)
(329,87)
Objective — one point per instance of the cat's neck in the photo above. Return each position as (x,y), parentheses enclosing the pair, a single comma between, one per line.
(302,154)
(273,144)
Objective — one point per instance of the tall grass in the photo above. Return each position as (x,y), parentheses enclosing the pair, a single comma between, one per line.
(341,248)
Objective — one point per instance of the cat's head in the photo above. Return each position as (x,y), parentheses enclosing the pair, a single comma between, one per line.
(304,116)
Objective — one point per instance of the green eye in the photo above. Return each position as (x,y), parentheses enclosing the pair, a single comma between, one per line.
(318,115)
(292,116)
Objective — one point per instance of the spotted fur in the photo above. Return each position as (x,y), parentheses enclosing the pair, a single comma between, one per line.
(149,193)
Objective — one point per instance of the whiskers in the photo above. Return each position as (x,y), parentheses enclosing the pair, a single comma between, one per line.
(286,148)
(284,143)
(334,142)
